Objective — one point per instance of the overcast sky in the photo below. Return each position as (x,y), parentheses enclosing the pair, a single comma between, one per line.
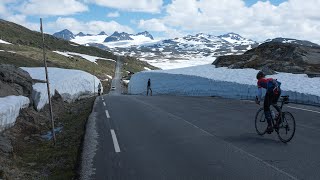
(258,20)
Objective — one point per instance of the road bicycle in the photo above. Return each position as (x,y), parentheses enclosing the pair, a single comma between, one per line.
(284,123)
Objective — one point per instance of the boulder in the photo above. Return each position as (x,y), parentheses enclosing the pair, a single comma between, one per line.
(5,145)
(14,81)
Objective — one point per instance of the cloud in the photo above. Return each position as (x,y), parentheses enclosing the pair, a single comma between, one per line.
(92,27)
(157,25)
(152,25)
(52,8)
(148,6)
(113,14)
(293,18)
(7,13)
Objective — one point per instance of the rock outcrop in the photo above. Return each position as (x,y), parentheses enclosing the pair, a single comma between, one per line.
(276,56)
(14,81)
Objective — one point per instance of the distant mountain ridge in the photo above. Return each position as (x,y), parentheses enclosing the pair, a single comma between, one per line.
(116,36)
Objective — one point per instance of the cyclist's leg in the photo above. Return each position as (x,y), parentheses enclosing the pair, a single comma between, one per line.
(275,100)
(275,105)
(267,112)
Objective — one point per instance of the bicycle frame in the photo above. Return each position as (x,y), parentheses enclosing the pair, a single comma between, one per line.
(284,100)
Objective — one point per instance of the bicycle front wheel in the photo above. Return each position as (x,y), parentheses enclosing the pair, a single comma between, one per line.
(287,127)
(261,123)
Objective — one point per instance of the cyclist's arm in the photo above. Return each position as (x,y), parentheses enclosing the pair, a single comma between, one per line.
(259,93)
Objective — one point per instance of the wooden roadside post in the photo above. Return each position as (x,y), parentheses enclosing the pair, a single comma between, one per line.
(48,84)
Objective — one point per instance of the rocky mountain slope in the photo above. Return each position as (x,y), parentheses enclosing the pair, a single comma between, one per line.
(277,56)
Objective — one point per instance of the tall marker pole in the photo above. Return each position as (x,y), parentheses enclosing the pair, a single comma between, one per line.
(94,81)
(48,84)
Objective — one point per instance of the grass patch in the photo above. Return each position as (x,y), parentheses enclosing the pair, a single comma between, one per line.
(133,65)
(45,161)
(18,34)
(26,56)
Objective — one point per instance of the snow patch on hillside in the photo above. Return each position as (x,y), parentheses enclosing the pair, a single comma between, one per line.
(9,109)
(71,84)
(89,39)
(139,40)
(85,56)
(4,42)
(206,80)
(179,63)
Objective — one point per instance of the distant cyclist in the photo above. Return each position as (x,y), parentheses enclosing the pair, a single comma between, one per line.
(273,92)
(99,89)
(149,88)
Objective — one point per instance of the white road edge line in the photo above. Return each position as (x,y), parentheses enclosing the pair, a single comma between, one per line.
(107,114)
(115,141)
(104,103)
(303,109)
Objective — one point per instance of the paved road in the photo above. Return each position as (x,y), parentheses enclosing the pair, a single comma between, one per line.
(162,137)
(116,79)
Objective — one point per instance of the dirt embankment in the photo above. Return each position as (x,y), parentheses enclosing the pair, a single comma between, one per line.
(26,150)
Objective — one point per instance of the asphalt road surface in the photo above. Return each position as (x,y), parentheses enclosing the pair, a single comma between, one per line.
(166,137)
(116,81)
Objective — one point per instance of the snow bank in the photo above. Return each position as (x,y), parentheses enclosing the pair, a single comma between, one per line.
(84,56)
(9,109)
(70,84)
(206,80)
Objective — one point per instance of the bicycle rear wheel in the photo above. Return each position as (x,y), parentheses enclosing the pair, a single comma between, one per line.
(287,127)
(261,123)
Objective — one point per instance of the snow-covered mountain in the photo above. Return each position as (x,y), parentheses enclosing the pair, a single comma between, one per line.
(64,34)
(188,50)
(102,33)
(118,37)
(81,34)
(236,39)
(146,34)
(202,47)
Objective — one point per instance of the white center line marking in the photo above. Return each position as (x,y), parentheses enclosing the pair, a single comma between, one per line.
(115,141)
(107,114)
(304,109)
(104,103)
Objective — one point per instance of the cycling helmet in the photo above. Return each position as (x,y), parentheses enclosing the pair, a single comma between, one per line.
(260,75)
